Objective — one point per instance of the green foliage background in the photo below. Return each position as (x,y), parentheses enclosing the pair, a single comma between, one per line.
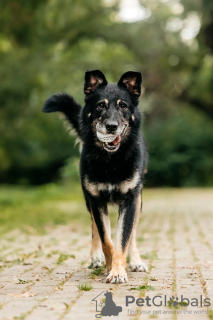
(46,46)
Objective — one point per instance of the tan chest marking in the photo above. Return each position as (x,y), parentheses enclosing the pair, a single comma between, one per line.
(91,187)
(129,184)
(123,187)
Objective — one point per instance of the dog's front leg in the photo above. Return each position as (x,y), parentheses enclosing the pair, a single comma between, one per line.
(127,214)
(135,262)
(100,215)
(96,251)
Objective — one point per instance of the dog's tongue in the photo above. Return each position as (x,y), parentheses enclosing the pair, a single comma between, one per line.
(116,141)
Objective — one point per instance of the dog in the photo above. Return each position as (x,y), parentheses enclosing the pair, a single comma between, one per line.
(113,162)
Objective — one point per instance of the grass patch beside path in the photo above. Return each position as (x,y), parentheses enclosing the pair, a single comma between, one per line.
(85,286)
(35,209)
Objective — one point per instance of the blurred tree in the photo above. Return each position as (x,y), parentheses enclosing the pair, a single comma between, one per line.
(45,47)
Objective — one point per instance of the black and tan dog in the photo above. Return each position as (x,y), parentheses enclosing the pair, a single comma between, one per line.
(112,165)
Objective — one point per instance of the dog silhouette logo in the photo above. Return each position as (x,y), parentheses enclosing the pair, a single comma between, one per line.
(107,305)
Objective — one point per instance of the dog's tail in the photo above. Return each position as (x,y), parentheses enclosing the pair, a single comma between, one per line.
(64,103)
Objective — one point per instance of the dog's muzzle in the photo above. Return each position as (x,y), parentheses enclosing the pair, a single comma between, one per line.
(111,142)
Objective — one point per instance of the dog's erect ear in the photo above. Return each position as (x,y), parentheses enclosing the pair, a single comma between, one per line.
(131,80)
(94,79)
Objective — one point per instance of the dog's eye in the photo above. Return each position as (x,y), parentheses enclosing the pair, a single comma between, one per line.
(122,105)
(101,106)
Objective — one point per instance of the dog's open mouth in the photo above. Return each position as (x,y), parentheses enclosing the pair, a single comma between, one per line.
(113,145)
(111,142)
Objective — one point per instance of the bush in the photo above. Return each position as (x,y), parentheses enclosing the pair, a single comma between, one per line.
(180,149)
(70,172)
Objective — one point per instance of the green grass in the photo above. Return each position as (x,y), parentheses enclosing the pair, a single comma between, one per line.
(151,255)
(35,209)
(63,257)
(141,288)
(85,286)
(21,317)
(23,281)
(96,272)
(210,314)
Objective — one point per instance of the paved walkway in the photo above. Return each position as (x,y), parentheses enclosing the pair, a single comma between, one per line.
(39,275)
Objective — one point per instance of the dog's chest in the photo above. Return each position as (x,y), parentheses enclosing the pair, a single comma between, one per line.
(95,187)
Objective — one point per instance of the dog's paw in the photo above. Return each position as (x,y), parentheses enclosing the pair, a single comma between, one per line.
(138,267)
(96,263)
(117,276)
(98,259)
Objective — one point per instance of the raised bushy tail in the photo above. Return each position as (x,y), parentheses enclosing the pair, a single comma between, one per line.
(64,103)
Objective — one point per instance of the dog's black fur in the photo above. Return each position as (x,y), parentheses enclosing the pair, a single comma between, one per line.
(108,168)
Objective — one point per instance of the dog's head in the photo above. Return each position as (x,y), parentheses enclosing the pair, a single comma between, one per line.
(111,109)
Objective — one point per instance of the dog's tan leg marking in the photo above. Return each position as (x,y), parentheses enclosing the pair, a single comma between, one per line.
(107,245)
(118,273)
(108,250)
(135,261)
(96,252)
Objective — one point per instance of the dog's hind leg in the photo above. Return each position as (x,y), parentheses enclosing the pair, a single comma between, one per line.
(97,256)
(135,262)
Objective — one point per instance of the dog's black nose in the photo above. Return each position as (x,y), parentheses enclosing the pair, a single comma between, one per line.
(111,126)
